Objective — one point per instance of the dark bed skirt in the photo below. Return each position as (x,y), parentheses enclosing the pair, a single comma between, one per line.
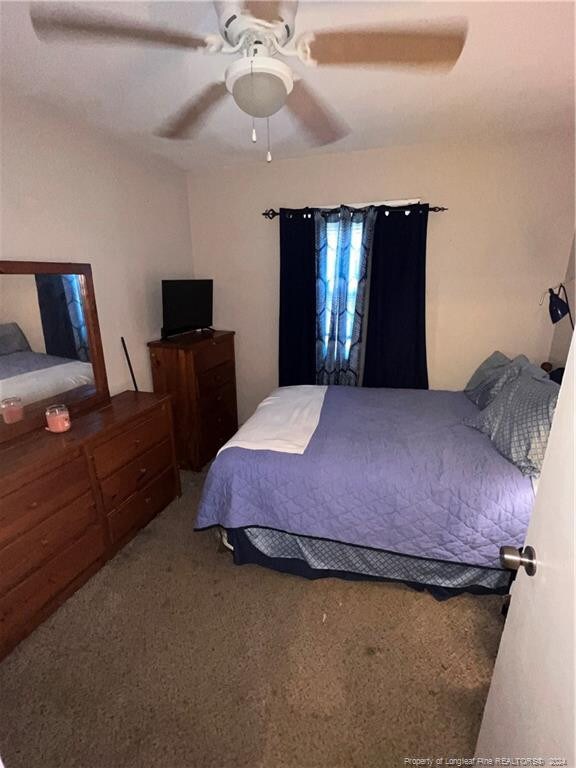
(244,553)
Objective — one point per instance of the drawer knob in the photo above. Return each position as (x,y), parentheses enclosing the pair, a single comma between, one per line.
(137,442)
(33,505)
(148,499)
(45,542)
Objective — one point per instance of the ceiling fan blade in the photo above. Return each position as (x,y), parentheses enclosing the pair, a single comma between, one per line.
(426,47)
(51,23)
(321,123)
(267,10)
(192,115)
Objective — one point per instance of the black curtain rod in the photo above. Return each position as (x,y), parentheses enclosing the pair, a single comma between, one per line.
(270,213)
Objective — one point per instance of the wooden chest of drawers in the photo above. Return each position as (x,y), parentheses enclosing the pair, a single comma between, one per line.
(198,371)
(68,502)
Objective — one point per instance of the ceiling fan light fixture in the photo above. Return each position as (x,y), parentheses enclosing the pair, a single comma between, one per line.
(259,85)
(260,94)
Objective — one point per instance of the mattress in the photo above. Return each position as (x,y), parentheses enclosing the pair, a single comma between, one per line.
(389,470)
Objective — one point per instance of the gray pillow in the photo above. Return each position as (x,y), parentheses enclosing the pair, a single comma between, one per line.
(494,374)
(488,379)
(518,421)
(12,339)
(525,365)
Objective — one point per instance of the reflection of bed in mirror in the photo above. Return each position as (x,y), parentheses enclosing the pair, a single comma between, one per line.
(44,349)
(34,376)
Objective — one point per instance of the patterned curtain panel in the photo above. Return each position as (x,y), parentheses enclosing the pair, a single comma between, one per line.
(343,244)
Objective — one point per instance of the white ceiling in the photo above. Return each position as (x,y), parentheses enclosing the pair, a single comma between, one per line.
(515,75)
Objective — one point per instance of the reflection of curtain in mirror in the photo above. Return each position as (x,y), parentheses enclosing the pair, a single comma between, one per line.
(76,315)
(62,314)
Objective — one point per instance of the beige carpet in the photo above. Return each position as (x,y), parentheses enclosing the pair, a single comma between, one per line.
(173,657)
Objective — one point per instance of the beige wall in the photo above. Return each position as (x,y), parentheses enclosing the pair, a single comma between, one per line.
(503,241)
(19,304)
(70,194)
(562,334)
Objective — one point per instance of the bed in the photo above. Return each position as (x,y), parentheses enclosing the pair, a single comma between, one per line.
(369,483)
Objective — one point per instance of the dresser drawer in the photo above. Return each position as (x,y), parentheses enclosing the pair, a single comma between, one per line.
(23,509)
(214,354)
(216,378)
(44,541)
(216,429)
(143,506)
(136,440)
(221,402)
(19,606)
(117,487)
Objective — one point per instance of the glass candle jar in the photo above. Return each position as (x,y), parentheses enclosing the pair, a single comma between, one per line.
(57,418)
(12,410)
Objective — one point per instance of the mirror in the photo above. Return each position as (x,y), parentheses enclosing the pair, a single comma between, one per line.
(44,348)
(50,350)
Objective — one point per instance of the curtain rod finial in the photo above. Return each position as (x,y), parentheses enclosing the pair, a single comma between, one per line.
(270,213)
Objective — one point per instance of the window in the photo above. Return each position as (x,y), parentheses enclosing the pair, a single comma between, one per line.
(332,269)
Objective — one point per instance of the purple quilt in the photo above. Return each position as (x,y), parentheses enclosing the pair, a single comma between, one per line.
(393,469)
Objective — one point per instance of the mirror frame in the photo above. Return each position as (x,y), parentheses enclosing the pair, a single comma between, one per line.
(87,397)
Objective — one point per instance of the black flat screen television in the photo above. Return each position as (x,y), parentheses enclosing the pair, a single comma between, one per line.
(186,306)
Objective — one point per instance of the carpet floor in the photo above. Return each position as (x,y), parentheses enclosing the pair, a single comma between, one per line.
(173,657)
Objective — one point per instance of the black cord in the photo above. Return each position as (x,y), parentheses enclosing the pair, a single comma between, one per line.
(567,304)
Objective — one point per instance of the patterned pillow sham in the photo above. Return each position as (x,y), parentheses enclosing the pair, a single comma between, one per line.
(494,374)
(518,420)
(487,380)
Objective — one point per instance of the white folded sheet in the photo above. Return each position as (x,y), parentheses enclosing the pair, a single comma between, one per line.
(285,421)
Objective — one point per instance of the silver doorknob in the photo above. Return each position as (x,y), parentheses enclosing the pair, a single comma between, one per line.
(512,559)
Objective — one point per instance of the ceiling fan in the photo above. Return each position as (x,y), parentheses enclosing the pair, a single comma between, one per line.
(258,34)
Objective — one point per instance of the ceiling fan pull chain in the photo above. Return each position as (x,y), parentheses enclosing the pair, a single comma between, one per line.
(269,153)
(254,137)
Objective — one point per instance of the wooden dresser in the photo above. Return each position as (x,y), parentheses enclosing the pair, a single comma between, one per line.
(198,371)
(69,502)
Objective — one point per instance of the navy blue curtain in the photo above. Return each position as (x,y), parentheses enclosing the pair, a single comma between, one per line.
(395,348)
(343,243)
(297,337)
(62,316)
